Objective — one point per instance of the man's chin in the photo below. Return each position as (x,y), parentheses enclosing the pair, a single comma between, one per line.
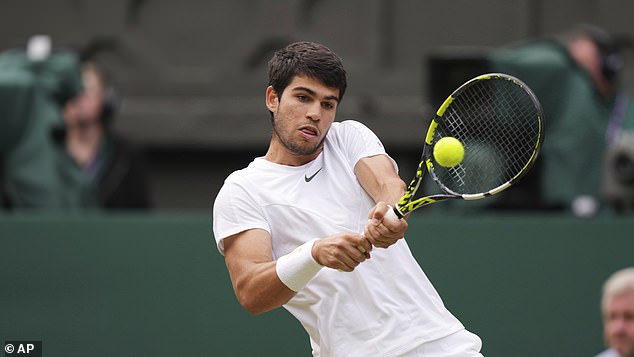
(625,350)
(306,150)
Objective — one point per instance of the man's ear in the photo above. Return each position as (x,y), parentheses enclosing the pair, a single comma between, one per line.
(272,99)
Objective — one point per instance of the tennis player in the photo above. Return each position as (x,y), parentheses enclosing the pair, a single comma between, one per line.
(302,227)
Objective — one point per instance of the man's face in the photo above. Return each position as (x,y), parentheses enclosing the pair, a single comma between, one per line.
(302,117)
(618,322)
(586,53)
(86,108)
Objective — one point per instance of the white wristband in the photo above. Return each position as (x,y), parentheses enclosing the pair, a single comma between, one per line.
(298,267)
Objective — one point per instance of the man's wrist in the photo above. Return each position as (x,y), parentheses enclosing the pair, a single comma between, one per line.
(298,267)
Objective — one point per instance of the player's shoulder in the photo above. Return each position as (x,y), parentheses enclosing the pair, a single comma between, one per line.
(348,127)
(349,124)
(241,176)
(238,183)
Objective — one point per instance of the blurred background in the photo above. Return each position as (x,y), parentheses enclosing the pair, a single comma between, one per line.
(182,94)
(191,75)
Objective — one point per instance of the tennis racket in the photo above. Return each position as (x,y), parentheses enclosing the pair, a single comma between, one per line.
(499,122)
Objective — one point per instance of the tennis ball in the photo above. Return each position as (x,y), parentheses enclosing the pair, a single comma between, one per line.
(448,151)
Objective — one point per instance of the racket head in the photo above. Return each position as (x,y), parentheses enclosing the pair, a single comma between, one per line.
(499,121)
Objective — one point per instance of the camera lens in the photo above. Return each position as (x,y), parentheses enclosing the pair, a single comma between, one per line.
(624,168)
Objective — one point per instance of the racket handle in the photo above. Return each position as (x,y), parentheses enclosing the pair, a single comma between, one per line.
(390,214)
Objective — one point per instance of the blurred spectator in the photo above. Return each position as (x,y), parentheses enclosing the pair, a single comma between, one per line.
(107,171)
(617,308)
(34,85)
(57,148)
(576,76)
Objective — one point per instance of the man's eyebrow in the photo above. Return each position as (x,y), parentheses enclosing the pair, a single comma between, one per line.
(313,93)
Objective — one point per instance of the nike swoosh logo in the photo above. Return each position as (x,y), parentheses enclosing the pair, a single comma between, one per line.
(309,178)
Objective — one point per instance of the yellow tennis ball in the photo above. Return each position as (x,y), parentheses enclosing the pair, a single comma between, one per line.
(448,152)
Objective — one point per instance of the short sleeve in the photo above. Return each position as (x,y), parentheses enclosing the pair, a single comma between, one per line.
(235,211)
(359,142)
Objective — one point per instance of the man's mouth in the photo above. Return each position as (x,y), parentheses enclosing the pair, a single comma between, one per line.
(308,131)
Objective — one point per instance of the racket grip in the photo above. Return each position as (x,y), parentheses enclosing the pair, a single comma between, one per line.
(390,214)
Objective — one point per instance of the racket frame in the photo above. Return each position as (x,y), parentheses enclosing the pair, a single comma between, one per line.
(406,203)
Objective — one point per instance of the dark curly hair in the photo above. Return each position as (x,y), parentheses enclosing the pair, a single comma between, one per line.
(310,59)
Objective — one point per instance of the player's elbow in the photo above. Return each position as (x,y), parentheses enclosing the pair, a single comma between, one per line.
(257,295)
(248,303)
(253,304)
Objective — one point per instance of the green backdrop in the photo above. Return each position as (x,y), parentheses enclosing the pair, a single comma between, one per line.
(154,285)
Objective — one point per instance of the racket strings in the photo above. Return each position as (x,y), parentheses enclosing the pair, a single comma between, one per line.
(498,122)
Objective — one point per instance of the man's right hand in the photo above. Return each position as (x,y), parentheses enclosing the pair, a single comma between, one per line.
(344,251)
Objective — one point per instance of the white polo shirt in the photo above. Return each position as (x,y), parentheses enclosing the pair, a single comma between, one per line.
(387,305)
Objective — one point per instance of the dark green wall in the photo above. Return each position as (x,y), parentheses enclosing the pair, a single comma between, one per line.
(156,286)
